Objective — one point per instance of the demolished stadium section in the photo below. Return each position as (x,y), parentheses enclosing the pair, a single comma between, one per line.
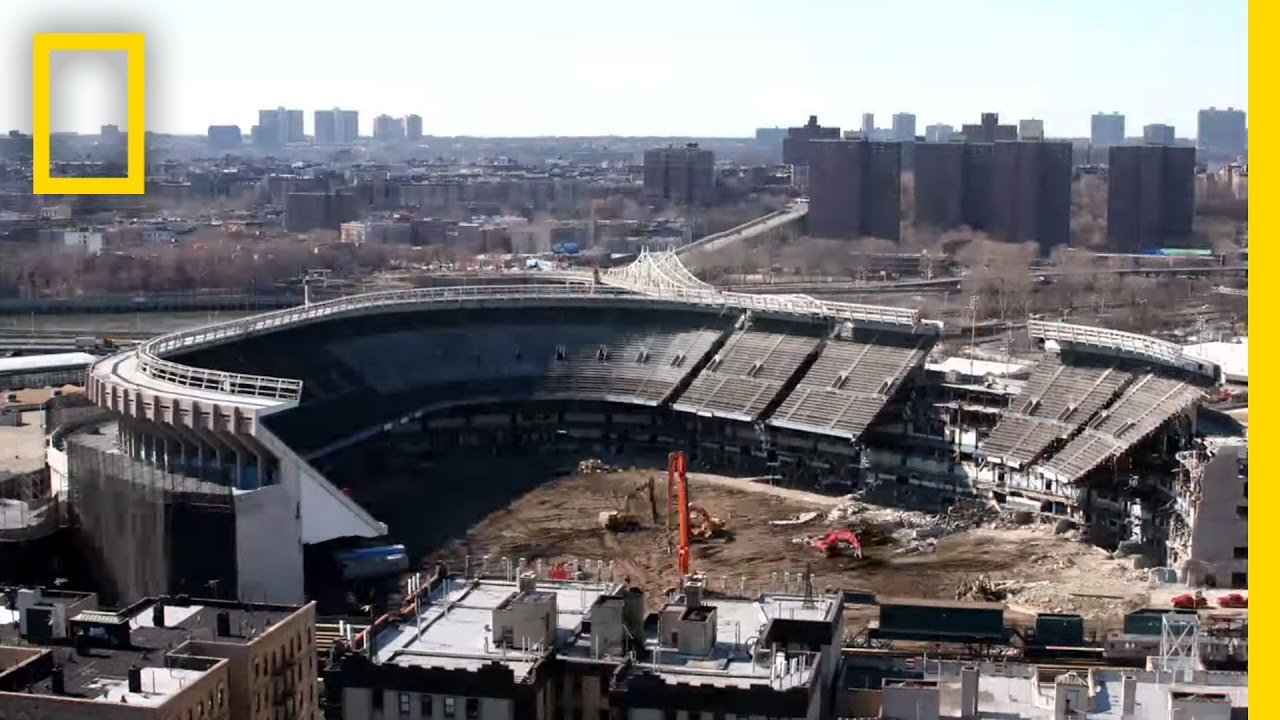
(644,357)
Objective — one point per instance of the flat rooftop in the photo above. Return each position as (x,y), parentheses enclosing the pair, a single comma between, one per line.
(1023,697)
(452,629)
(730,663)
(22,446)
(101,673)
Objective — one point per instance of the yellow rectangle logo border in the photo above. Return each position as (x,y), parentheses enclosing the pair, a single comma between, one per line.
(134,182)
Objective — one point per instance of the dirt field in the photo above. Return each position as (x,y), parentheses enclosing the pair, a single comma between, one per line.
(905,553)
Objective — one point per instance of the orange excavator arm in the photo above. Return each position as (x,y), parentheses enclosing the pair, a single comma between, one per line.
(676,477)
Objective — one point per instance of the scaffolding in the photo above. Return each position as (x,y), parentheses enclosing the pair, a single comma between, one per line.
(1179,644)
(146,531)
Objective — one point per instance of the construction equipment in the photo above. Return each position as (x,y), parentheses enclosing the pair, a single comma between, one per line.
(703,525)
(618,521)
(1233,601)
(628,516)
(591,466)
(1189,601)
(836,543)
(679,501)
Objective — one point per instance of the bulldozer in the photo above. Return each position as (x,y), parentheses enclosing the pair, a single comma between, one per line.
(628,517)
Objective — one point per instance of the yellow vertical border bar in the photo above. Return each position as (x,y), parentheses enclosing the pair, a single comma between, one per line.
(133,45)
(1264,299)
(40,52)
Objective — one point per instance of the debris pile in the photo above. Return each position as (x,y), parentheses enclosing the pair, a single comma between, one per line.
(980,588)
(961,516)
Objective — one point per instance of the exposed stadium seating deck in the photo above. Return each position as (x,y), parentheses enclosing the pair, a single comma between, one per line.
(747,374)
(850,382)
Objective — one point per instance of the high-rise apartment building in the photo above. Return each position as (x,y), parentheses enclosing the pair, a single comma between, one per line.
(1016,191)
(1031,129)
(684,175)
(855,189)
(279,127)
(224,137)
(1106,129)
(939,133)
(336,127)
(795,147)
(413,127)
(989,129)
(1158,134)
(868,125)
(904,127)
(1222,134)
(1150,196)
(387,128)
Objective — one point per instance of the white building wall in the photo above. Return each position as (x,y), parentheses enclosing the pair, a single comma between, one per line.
(268,546)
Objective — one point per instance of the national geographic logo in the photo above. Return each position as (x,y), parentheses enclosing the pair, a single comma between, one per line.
(134,182)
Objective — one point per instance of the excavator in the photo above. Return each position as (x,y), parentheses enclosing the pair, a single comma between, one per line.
(703,525)
(694,521)
(679,502)
(838,542)
(628,517)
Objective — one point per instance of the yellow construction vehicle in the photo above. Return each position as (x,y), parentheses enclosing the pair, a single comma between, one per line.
(628,517)
(591,466)
(618,521)
(703,525)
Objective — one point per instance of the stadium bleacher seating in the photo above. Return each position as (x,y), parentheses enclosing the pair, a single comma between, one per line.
(1151,401)
(1062,394)
(849,384)
(633,364)
(747,374)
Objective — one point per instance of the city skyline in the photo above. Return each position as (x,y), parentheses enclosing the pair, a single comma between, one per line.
(525,71)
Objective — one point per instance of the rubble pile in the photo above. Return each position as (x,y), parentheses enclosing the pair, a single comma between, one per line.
(961,516)
(980,588)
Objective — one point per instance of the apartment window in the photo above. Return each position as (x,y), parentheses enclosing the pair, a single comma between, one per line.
(450,707)
(377,699)
(1239,580)
(1242,511)
(404,704)
(1241,553)
(425,706)
(473,708)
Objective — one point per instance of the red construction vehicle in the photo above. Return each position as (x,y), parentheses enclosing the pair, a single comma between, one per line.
(1189,601)
(1233,601)
(838,542)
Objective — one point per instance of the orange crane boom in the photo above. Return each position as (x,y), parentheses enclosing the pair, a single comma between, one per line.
(676,477)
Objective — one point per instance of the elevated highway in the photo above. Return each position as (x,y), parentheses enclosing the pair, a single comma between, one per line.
(767,223)
(847,286)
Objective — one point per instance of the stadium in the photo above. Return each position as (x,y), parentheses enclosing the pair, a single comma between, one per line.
(240,447)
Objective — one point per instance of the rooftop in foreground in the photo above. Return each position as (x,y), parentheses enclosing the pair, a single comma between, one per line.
(454,629)
(97,650)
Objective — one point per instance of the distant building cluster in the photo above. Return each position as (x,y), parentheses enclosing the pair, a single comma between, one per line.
(281,127)
(1009,181)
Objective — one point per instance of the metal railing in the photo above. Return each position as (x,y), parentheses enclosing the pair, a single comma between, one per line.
(1161,351)
(152,362)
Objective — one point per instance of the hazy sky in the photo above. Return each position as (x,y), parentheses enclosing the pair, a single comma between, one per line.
(660,67)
